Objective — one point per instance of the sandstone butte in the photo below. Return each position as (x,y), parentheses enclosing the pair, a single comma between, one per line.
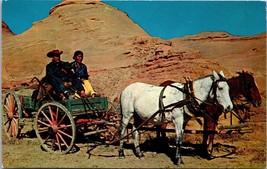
(119,52)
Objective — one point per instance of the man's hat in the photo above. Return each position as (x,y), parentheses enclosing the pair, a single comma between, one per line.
(54,53)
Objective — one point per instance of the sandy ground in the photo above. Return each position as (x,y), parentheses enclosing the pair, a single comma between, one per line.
(230,151)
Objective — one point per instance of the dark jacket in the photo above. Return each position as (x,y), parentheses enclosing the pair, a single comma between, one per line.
(56,72)
(81,72)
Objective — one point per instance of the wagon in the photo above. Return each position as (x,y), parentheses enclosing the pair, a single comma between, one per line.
(56,122)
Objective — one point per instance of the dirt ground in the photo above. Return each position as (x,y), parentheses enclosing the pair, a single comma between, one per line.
(230,150)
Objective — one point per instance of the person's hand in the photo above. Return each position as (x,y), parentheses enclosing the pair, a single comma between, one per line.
(72,71)
(67,84)
(63,70)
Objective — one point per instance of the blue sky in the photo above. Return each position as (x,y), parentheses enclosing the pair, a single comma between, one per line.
(164,19)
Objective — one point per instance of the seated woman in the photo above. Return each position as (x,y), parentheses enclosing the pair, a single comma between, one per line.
(58,76)
(80,70)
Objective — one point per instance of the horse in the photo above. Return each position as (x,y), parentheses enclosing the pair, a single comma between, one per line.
(246,86)
(242,85)
(147,102)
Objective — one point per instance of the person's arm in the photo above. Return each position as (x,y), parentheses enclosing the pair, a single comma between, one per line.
(85,73)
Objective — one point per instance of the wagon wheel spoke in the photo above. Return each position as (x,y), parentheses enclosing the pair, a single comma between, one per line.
(65,126)
(43,123)
(11,114)
(59,131)
(53,144)
(63,140)
(58,142)
(13,128)
(47,118)
(41,130)
(45,140)
(7,108)
(57,115)
(51,113)
(61,119)
(7,121)
(55,128)
(8,130)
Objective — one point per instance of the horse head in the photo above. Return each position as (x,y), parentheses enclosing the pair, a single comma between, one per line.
(220,91)
(249,88)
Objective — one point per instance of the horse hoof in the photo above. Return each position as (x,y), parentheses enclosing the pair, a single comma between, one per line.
(121,157)
(178,162)
(121,154)
(141,156)
(181,162)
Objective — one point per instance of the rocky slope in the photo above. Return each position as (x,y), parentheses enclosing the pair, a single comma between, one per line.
(102,32)
(118,52)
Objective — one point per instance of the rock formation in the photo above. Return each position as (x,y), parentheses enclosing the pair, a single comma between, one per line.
(119,52)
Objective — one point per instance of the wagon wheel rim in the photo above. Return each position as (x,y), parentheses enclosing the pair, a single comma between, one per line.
(55,128)
(11,114)
(113,119)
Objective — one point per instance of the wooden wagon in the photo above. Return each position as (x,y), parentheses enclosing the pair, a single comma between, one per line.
(56,122)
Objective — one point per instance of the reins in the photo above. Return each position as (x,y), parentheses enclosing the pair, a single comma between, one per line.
(189,99)
(192,105)
(177,104)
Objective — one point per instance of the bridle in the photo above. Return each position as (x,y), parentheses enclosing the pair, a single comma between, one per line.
(213,89)
(191,100)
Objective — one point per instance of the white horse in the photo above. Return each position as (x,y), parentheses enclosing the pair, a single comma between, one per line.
(143,99)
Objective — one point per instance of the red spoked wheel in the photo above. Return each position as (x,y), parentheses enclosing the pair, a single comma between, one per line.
(55,128)
(12,112)
(113,120)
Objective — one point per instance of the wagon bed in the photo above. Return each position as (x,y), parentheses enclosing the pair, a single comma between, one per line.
(56,123)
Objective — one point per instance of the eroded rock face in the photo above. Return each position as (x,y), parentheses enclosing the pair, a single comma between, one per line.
(6,32)
(100,31)
(118,52)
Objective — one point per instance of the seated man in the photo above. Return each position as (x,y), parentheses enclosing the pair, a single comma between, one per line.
(58,75)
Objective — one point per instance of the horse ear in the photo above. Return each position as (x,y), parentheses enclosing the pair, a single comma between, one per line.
(221,73)
(215,75)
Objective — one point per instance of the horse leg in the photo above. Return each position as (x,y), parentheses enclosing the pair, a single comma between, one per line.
(163,133)
(158,130)
(210,144)
(136,144)
(205,137)
(178,122)
(123,126)
(208,137)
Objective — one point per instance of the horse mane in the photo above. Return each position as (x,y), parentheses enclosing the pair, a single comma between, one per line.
(235,86)
(168,82)
(238,83)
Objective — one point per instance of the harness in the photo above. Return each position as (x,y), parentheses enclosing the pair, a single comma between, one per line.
(190,100)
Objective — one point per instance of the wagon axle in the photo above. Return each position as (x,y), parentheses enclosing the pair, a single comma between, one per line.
(52,130)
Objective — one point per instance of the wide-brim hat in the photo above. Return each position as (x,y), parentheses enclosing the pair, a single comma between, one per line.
(54,53)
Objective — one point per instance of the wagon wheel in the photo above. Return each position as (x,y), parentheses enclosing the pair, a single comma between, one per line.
(113,119)
(55,128)
(11,114)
